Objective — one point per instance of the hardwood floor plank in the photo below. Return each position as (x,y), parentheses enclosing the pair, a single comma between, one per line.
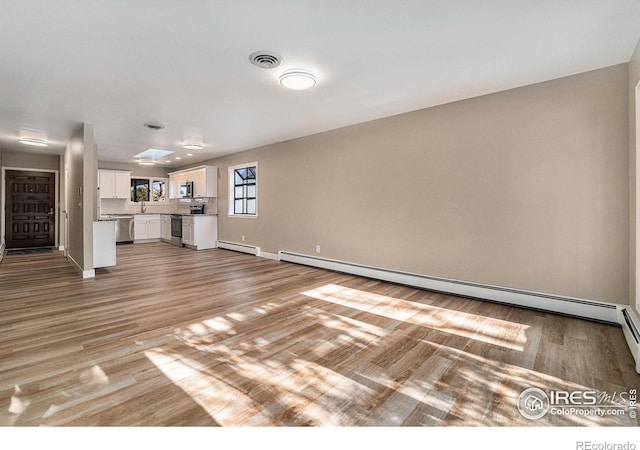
(174,337)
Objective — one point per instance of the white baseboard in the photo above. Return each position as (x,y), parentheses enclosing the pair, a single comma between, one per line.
(631,330)
(236,247)
(595,310)
(268,255)
(246,248)
(85,273)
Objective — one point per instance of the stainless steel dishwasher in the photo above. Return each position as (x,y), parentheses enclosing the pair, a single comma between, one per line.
(124,229)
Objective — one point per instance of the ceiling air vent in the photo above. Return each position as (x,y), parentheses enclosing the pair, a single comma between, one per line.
(264,60)
(154,126)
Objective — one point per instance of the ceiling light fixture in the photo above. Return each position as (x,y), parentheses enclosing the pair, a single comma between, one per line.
(146,162)
(34,142)
(297,79)
(189,154)
(192,146)
(177,157)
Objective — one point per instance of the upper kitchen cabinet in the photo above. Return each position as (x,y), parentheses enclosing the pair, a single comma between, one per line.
(204,179)
(114,184)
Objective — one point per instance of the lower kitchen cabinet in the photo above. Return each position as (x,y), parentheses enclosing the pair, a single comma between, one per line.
(200,232)
(146,227)
(165,227)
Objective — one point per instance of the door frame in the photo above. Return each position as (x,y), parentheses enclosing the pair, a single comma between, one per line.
(4,198)
(636,219)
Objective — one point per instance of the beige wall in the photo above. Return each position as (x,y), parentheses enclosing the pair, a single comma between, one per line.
(526,188)
(30,161)
(81,188)
(634,185)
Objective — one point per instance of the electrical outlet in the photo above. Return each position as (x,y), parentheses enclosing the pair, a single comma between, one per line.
(317,249)
(243,238)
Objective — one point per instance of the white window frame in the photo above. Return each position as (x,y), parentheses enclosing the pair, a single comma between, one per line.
(231,190)
(151,180)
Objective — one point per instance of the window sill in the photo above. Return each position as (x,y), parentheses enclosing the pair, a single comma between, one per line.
(242,216)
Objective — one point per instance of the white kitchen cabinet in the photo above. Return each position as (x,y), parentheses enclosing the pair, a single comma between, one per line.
(200,232)
(165,227)
(187,230)
(205,182)
(204,178)
(114,184)
(174,185)
(104,243)
(146,227)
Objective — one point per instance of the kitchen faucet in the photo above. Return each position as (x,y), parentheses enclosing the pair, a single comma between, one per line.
(142,208)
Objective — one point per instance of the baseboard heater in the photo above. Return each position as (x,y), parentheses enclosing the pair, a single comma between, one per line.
(243,248)
(600,311)
(630,326)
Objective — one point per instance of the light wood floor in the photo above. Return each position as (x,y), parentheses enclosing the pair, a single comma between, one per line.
(176,337)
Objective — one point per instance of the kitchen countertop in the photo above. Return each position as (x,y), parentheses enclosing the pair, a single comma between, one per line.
(172,214)
(108,217)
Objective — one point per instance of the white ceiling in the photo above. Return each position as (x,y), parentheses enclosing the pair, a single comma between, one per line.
(185,64)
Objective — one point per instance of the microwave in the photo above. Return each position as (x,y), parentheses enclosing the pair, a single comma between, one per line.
(186,189)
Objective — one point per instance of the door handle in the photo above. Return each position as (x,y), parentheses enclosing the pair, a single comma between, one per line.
(50,213)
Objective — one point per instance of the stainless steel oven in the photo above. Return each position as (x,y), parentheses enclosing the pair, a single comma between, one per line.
(176,229)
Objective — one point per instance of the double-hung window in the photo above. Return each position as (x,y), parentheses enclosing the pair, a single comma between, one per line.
(243,190)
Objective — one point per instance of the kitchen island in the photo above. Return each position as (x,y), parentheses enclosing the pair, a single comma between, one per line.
(104,243)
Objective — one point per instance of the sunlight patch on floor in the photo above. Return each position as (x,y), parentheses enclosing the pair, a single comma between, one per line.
(18,405)
(218,398)
(472,326)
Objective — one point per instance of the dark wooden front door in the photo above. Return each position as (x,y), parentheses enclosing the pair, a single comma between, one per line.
(30,209)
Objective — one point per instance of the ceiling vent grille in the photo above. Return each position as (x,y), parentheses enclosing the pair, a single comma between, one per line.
(154,126)
(264,60)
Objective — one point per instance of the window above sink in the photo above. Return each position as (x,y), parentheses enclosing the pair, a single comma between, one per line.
(149,189)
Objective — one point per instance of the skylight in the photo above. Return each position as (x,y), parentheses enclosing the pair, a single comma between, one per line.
(153,154)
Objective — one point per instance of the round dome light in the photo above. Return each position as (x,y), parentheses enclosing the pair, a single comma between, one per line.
(297,79)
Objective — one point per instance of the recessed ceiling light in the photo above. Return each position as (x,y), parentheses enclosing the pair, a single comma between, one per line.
(177,157)
(146,162)
(34,142)
(167,160)
(297,79)
(192,146)
(189,154)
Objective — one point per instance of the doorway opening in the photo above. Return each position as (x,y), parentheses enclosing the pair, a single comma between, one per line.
(30,209)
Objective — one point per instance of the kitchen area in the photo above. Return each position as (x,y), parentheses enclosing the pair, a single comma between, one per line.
(179,208)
